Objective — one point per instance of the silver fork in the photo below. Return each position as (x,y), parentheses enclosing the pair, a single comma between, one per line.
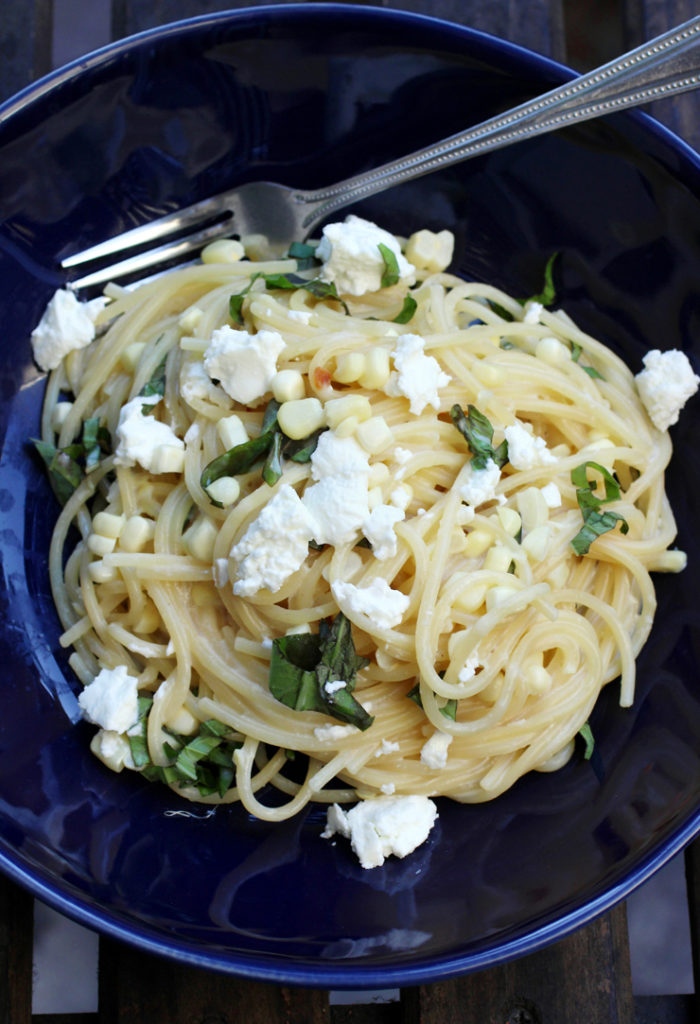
(666,65)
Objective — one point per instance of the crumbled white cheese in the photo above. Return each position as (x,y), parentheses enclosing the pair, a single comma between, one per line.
(532,312)
(401,497)
(551,494)
(384,606)
(338,501)
(382,826)
(469,668)
(526,450)
(387,747)
(417,377)
(333,685)
(665,385)
(66,325)
(195,383)
(434,752)
(388,788)
(139,436)
(480,485)
(243,363)
(352,259)
(379,529)
(275,544)
(333,733)
(111,700)
(402,455)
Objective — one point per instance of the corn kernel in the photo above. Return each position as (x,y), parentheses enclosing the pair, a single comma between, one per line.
(537,679)
(498,559)
(401,496)
(101,573)
(288,386)
(510,520)
(100,545)
(168,458)
(472,598)
(532,507)
(551,351)
(377,369)
(375,435)
(498,595)
(349,367)
(200,538)
(226,490)
(338,409)
(379,473)
(477,542)
(231,431)
(183,722)
(431,251)
(112,749)
(375,498)
(301,417)
(149,619)
(131,355)
(108,524)
(347,427)
(59,414)
(536,542)
(189,319)
(257,247)
(136,533)
(222,250)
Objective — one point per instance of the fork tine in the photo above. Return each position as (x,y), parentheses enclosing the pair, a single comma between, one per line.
(150,232)
(152,257)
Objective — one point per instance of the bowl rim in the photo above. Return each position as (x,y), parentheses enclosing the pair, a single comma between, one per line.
(262,966)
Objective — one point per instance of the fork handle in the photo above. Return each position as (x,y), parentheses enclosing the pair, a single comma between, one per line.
(668,64)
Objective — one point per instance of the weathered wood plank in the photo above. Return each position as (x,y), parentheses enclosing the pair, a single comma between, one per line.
(645,19)
(584,979)
(536,24)
(25,44)
(16,934)
(136,987)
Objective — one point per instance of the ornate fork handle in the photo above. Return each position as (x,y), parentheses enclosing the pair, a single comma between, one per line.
(669,64)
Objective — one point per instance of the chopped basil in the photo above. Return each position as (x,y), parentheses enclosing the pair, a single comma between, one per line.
(204,760)
(390,273)
(303,665)
(586,734)
(236,460)
(548,295)
(407,310)
(68,466)
(154,387)
(449,709)
(576,351)
(478,433)
(272,470)
(595,522)
(304,254)
(289,282)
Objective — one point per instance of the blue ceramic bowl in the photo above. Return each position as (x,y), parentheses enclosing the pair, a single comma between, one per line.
(307,95)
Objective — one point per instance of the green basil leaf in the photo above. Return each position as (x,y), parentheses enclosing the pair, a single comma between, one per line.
(586,734)
(407,311)
(65,475)
(594,525)
(595,522)
(237,460)
(576,351)
(478,433)
(449,708)
(272,469)
(390,273)
(548,296)
(592,372)
(302,450)
(579,478)
(156,385)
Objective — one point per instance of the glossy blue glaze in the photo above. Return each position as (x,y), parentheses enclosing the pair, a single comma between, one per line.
(307,95)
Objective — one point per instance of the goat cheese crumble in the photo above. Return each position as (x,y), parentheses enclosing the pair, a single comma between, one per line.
(434,751)
(665,385)
(383,826)
(274,546)
(111,700)
(352,259)
(377,601)
(480,484)
(417,377)
(526,450)
(244,364)
(66,325)
(140,436)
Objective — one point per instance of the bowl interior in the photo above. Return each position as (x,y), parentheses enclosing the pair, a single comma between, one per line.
(308,95)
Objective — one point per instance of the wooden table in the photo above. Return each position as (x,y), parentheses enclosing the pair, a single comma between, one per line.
(584,979)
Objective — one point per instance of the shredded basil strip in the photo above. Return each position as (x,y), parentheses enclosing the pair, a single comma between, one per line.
(586,734)
(576,351)
(67,466)
(449,709)
(301,666)
(548,296)
(595,522)
(289,282)
(305,255)
(154,387)
(407,311)
(390,273)
(478,433)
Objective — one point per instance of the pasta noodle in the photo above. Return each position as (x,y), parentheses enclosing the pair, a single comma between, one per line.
(490,636)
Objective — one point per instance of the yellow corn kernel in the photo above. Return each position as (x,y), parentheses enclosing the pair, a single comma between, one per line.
(136,533)
(231,431)
(536,542)
(498,595)
(477,542)
(222,250)
(189,319)
(537,678)
(226,490)
(353,404)
(471,598)
(552,351)
(510,520)
(101,573)
(347,427)
(108,524)
(498,559)
(257,247)
(430,250)
(301,417)
(59,414)
(288,386)
(100,545)
(349,367)
(131,355)
(375,435)
(377,369)
(168,458)
(112,749)
(183,722)
(375,497)
(200,537)
(379,473)
(532,507)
